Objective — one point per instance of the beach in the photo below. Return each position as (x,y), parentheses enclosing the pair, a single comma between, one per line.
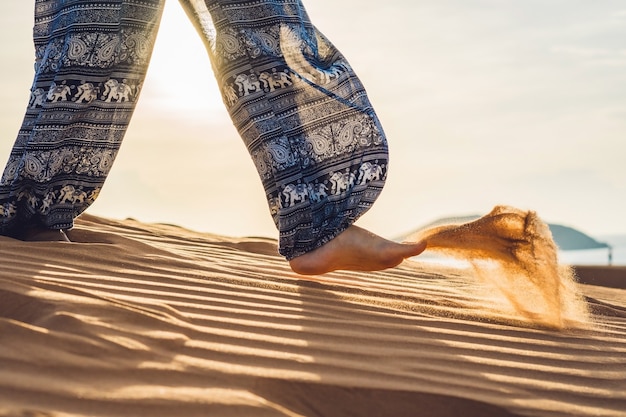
(137,319)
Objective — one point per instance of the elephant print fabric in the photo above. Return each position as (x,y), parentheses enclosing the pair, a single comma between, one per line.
(90,61)
(303,114)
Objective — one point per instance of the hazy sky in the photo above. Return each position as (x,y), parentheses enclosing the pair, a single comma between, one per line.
(485,102)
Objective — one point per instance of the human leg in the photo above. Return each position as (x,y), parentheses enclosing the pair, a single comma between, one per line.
(91,60)
(307,122)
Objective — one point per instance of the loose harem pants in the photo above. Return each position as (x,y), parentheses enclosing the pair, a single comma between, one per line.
(303,114)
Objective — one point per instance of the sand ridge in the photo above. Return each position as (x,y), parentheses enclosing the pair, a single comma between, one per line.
(157,320)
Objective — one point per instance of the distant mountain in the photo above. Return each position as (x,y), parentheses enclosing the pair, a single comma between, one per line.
(566,238)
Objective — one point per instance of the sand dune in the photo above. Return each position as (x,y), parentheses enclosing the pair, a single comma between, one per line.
(155,320)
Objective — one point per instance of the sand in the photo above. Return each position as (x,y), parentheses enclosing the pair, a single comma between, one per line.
(156,320)
(513,251)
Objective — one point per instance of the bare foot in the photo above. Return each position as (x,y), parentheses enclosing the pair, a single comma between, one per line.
(355,249)
(44,235)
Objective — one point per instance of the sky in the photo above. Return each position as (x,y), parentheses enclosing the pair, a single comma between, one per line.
(484,102)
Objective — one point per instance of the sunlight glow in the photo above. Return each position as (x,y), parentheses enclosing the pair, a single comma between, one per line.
(180,78)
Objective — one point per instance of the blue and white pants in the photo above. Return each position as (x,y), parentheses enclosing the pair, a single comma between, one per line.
(303,114)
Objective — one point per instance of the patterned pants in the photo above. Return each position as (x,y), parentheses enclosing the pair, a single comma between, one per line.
(303,114)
